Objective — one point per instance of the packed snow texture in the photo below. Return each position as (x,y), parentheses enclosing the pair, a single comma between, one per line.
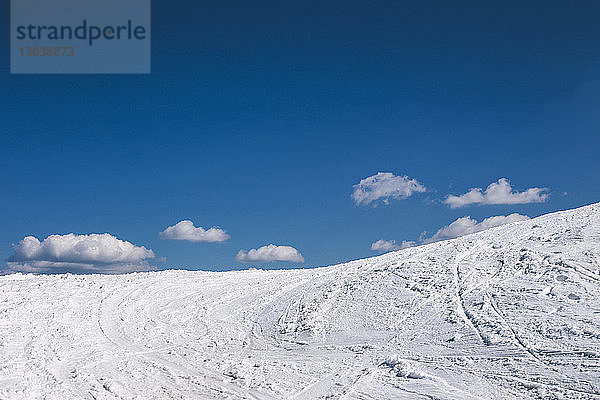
(507,313)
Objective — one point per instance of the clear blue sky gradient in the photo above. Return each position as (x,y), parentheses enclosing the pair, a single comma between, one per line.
(259,117)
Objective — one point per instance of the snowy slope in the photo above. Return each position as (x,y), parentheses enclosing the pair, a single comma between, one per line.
(512,312)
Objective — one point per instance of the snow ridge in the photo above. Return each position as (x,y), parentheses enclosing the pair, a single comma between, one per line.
(507,313)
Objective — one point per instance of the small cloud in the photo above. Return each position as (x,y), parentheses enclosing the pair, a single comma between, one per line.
(466,225)
(93,253)
(270,253)
(384,245)
(185,230)
(390,245)
(407,243)
(386,186)
(497,193)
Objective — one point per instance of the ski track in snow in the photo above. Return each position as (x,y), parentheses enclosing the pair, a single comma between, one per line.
(508,313)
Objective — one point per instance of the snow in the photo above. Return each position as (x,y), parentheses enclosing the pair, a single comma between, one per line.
(507,313)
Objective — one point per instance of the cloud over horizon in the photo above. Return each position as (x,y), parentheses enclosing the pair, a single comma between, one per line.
(99,253)
(460,227)
(270,253)
(467,225)
(185,230)
(390,245)
(386,186)
(497,193)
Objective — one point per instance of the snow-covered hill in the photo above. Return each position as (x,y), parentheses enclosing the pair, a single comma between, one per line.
(512,312)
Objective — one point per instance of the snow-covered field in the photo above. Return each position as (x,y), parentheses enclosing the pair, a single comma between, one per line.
(512,312)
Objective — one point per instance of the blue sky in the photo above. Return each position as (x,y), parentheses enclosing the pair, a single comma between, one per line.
(260,117)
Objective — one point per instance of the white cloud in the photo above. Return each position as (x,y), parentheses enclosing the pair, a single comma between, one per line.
(466,225)
(390,245)
(270,253)
(497,193)
(101,253)
(185,230)
(384,245)
(407,243)
(385,185)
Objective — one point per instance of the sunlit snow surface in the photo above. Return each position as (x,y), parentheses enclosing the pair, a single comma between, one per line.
(512,312)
